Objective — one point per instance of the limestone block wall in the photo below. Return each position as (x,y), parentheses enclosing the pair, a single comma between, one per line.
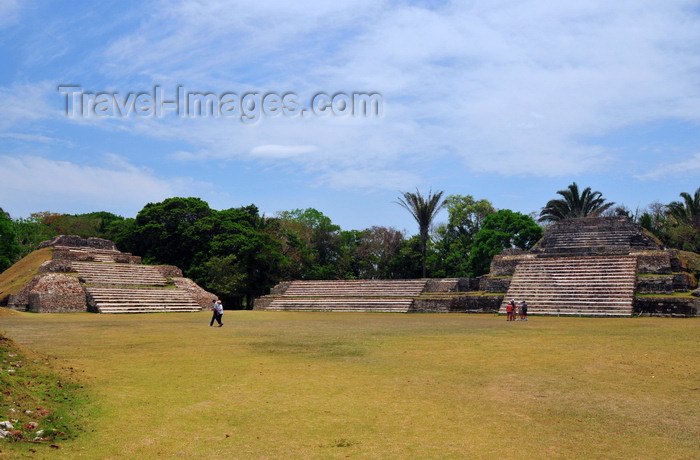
(67,255)
(467,303)
(126,258)
(87,256)
(683,282)
(169,270)
(653,262)
(666,306)
(483,303)
(677,262)
(495,284)
(504,264)
(76,241)
(281,288)
(659,284)
(261,303)
(56,266)
(452,285)
(57,293)
(20,301)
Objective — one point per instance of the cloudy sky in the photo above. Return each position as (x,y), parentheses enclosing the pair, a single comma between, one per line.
(500,99)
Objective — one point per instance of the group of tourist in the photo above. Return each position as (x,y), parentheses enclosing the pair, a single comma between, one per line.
(516,311)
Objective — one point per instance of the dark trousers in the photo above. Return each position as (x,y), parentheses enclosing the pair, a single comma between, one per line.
(216,316)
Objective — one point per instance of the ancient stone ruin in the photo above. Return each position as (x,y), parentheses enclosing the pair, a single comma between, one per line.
(91,274)
(594,267)
(606,266)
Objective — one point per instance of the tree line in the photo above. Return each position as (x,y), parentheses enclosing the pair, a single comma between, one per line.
(240,254)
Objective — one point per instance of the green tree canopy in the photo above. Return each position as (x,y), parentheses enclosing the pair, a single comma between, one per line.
(504,229)
(683,229)
(687,211)
(314,241)
(574,204)
(171,232)
(9,248)
(230,252)
(454,240)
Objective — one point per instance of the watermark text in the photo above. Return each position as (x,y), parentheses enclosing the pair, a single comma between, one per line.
(247,107)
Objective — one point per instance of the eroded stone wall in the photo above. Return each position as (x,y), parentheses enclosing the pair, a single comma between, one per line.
(495,284)
(203,298)
(666,306)
(77,242)
(169,270)
(57,293)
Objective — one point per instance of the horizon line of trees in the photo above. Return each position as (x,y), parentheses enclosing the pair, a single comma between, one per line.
(240,254)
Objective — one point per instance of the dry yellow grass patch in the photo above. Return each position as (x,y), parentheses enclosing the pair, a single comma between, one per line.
(338,385)
(18,275)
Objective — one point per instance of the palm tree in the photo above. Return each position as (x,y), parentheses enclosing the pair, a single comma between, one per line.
(687,212)
(424,211)
(574,204)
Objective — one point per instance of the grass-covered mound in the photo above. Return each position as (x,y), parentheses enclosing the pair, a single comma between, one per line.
(39,405)
(18,275)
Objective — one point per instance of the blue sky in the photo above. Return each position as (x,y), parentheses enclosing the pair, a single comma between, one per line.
(504,100)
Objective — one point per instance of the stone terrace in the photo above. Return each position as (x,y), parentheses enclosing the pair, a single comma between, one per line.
(130,288)
(585,266)
(121,274)
(139,300)
(593,236)
(109,281)
(592,286)
(344,295)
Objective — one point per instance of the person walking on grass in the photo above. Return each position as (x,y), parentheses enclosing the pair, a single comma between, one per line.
(523,311)
(218,313)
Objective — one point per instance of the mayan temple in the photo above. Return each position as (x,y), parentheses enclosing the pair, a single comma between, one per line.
(590,266)
(91,274)
(603,266)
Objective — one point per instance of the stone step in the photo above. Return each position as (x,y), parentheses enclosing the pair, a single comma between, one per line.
(140,309)
(579,285)
(114,273)
(345,304)
(131,300)
(99,255)
(356,288)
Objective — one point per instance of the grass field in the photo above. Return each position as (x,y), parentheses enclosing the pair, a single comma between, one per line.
(347,385)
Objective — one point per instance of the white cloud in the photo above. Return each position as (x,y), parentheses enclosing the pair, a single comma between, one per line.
(274,151)
(521,84)
(35,138)
(9,12)
(369,180)
(686,168)
(22,102)
(31,182)
(473,92)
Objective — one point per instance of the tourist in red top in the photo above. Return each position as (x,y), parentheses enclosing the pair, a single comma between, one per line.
(509,310)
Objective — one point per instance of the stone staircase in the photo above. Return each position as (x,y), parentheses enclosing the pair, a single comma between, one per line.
(348,295)
(119,274)
(90,274)
(105,299)
(129,288)
(589,236)
(98,255)
(589,286)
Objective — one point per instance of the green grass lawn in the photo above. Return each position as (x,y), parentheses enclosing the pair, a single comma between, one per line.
(352,385)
